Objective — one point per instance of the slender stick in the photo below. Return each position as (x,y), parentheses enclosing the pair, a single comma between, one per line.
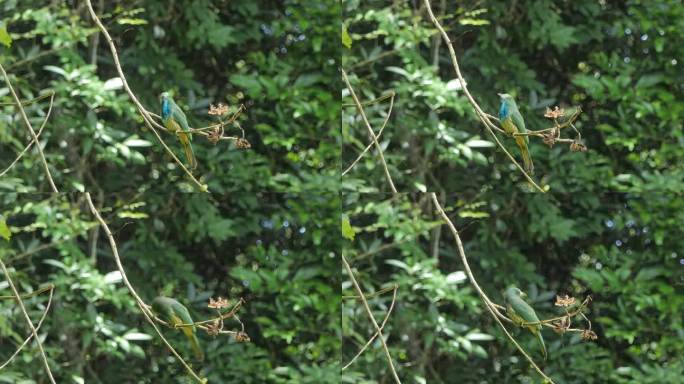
(488,303)
(40,130)
(378,330)
(30,128)
(382,326)
(368,147)
(141,304)
(51,288)
(480,113)
(370,130)
(27,317)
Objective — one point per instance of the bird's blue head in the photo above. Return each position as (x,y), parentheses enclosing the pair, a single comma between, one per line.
(505,109)
(166,107)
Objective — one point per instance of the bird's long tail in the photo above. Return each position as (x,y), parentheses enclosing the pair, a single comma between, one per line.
(540,339)
(187,148)
(194,343)
(527,159)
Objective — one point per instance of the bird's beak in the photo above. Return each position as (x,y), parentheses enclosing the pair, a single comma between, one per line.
(500,94)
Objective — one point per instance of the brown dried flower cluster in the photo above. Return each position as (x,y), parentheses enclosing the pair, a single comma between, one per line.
(214,135)
(242,144)
(218,110)
(561,325)
(588,334)
(214,328)
(218,303)
(564,301)
(578,146)
(242,337)
(550,138)
(554,113)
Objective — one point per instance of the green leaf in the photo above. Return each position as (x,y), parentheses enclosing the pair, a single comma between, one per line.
(348,231)
(5,38)
(650,80)
(346,38)
(5,230)
(130,21)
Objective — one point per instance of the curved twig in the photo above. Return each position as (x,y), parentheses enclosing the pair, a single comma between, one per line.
(34,331)
(382,326)
(51,288)
(378,330)
(370,130)
(19,105)
(141,304)
(382,128)
(40,130)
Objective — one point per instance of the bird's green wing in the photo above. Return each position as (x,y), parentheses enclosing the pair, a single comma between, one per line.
(521,312)
(518,121)
(179,115)
(182,312)
(524,310)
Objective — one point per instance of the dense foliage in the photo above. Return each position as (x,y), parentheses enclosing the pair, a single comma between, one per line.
(269,230)
(607,226)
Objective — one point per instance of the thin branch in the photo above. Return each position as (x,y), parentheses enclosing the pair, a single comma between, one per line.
(480,113)
(378,330)
(143,112)
(358,158)
(29,102)
(51,288)
(30,128)
(382,326)
(368,296)
(488,303)
(141,304)
(370,130)
(381,248)
(40,130)
(34,331)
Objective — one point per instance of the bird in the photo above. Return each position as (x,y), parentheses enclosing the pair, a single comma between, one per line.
(522,314)
(175,121)
(175,314)
(512,122)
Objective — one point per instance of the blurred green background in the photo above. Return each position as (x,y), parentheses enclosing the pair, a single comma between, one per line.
(609,225)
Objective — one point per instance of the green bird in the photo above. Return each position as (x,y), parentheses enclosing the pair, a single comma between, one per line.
(512,122)
(522,314)
(175,121)
(175,313)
